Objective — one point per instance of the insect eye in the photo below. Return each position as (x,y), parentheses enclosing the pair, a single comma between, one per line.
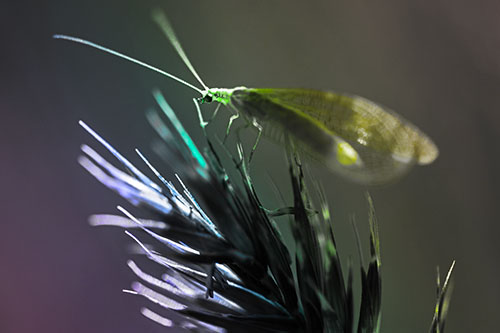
(208,99)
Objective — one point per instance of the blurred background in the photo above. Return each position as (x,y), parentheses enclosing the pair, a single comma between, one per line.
(436,63)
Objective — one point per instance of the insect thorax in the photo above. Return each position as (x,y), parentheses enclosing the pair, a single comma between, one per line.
(220,95)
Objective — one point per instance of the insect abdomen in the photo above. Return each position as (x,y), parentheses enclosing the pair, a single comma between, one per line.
(349,134)
(359,120)
(277,119)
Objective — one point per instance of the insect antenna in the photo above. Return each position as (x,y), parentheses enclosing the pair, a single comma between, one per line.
(161,19)
(123,56)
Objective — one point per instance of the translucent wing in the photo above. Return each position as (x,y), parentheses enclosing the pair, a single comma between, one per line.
(352,135)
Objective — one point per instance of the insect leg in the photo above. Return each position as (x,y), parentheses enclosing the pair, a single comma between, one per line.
(204,123)
(214,114)
(259,128)
(233,118)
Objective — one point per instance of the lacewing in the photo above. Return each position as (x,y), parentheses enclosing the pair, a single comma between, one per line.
(355,137)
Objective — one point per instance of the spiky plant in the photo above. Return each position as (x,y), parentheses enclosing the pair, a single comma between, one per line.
(224,265)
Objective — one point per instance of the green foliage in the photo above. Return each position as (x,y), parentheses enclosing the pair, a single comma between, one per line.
(442,302)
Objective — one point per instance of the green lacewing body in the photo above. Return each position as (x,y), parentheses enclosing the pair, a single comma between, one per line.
(351,135)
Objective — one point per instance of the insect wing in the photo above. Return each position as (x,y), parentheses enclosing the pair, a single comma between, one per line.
(383,144)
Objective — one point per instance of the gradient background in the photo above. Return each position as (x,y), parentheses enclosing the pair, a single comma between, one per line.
(436,62)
